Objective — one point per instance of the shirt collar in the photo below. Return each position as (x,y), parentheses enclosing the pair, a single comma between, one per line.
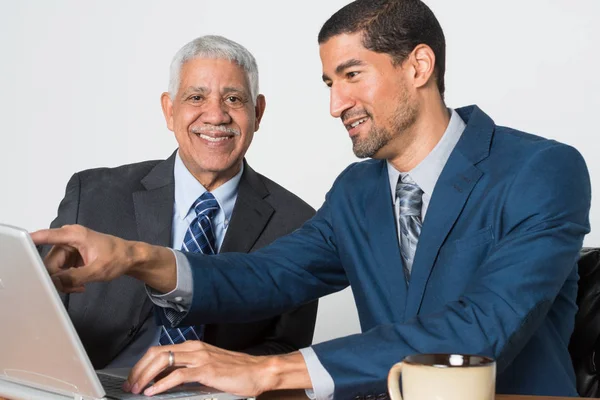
(188,189)
(427,172)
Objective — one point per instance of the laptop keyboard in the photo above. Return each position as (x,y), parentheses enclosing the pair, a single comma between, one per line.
(113,388)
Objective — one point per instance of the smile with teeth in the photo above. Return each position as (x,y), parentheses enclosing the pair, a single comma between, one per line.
(214,139)
(357,123)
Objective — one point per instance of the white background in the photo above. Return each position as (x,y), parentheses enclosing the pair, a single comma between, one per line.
(80,84)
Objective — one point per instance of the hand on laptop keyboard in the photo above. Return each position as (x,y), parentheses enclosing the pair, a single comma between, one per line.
(113,388)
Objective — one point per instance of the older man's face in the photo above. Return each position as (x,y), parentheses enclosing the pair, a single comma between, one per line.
(213,117)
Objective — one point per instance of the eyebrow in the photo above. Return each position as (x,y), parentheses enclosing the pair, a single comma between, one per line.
(229,89)
(205,90)
(353,62)
(195,89)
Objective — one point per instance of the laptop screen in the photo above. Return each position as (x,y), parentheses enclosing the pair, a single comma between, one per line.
(38,343)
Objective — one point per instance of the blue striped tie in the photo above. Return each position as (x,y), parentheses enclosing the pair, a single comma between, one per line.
(410,198)
(199,238)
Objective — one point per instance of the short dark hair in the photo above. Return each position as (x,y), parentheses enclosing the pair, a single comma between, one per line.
(393,27)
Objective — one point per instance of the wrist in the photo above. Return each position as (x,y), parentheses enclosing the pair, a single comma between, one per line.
(287,371)
(140,254)
(153,265)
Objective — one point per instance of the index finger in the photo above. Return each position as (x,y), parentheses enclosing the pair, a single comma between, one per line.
(61,236)
(59,258)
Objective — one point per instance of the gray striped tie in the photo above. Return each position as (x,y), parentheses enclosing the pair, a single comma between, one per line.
(410,198)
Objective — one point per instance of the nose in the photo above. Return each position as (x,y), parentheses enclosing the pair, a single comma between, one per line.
(215,112)
(339,101)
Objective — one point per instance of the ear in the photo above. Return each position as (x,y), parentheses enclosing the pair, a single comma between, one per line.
(259,110)
(167,107)
(422,60)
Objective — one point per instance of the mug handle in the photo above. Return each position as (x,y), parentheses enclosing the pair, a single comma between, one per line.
(394,381)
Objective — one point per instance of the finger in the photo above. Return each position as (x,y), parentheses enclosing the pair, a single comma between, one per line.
(67,235)
(59,258)
(190,358)
(183,364)
(147,369)
(165,372)
(151,356)
(155,364)
(59,286)
(175,378)
(148,359)
(140,366)
(77,277)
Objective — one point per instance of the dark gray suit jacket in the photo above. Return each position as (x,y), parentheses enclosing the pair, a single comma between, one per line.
(135,202)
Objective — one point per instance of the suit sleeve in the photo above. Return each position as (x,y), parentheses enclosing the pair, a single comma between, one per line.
(546,217)
(290,331)
(290,272)
(294,330)
(67,215)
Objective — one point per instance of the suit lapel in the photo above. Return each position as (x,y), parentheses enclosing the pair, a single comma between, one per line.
(457,180)
(154,217)
(383,242)
(251,214)
(154,206)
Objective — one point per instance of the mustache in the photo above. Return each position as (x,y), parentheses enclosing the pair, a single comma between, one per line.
(214,128)
(346,115)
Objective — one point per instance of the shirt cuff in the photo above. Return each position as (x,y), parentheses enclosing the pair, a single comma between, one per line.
(323,386)
(180,298)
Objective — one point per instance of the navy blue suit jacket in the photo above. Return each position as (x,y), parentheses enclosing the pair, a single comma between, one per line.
(494,271)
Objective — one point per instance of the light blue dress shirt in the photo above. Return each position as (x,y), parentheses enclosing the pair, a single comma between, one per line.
(425,175)
(429,170)
(187,191)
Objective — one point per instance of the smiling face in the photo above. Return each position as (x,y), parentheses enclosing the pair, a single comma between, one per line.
(369,94)
(213,117)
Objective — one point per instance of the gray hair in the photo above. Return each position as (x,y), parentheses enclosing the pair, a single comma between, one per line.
(214,47)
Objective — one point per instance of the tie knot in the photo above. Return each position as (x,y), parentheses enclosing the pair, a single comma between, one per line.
(410,196)
(206,205)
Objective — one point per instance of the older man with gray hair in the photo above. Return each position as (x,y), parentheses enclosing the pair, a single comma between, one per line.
(204,198)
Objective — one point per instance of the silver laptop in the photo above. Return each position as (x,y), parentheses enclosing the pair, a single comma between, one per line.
(41,356)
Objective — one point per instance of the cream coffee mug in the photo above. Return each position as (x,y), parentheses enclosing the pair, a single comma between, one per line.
(443,377)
